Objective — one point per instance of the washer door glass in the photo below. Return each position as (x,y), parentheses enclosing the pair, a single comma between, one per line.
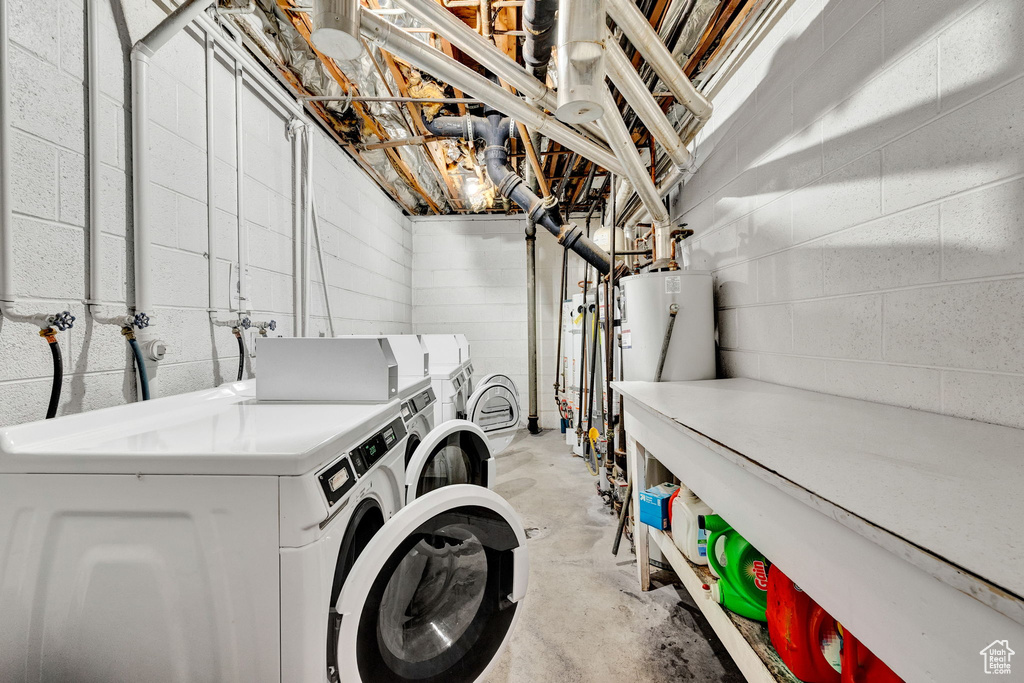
(495,409)
(456,452)
(435,596)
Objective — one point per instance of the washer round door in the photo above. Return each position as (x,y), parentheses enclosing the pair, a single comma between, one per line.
(435,595)
(495,409)
(456,452)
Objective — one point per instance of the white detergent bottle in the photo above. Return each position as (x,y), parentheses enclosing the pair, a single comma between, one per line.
(691,540)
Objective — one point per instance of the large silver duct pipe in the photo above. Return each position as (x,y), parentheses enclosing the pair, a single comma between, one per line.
(646,40)
(406,47)
(581,34)
(336,28)
(629,83)
(621,142)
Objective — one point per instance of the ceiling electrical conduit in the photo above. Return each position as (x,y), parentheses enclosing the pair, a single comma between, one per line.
(461,77)
(618,137)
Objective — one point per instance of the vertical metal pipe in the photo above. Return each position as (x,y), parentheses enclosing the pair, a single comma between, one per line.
(244,305)
(211,211)
(295,130)
(6,209)
(609,335)
(533,182)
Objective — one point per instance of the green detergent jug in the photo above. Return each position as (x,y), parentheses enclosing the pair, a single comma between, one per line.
(742,571)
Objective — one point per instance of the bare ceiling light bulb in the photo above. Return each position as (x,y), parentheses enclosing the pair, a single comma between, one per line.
(336,28)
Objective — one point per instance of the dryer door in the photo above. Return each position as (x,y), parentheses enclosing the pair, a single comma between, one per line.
(435,596)
(456,452)
(500,378)
(495,409)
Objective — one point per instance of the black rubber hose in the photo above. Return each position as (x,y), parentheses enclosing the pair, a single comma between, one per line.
(58,377)
(241,357)
(140,367)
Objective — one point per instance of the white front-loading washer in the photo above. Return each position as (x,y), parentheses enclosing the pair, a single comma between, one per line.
(214,537)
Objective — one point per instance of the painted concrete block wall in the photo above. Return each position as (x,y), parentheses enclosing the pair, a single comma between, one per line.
(469,276)
(859,201)
(366,238)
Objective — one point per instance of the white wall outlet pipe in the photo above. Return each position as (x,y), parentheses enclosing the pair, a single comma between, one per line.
(580,61)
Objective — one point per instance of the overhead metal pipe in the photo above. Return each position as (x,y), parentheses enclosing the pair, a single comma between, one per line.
(620,141)
(648,43)
(482,50)
(632,87)
(529,82)
(404,46)
(539,23)
(495,131)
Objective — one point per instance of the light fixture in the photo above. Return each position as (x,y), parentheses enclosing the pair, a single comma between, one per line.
(581,28)
(336,28)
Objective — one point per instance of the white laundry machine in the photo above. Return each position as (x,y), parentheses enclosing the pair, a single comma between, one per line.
(467,362)
(217,537)
(447,374)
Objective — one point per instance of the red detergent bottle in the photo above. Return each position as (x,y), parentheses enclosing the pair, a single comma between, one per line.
(804,634)
(742,571)
(861,666)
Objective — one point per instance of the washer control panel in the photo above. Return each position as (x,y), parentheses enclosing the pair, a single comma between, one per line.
(366,455)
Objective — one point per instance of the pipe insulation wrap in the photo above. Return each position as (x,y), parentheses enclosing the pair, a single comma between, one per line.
(539,23)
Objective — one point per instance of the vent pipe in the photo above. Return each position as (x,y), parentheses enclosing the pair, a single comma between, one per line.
(336,28)
(581,32)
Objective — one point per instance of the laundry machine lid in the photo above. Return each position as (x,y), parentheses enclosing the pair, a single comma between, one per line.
(435,595)
(500,378)
(455,452)
(495,409)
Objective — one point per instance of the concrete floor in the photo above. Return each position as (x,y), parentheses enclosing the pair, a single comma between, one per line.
(584,617)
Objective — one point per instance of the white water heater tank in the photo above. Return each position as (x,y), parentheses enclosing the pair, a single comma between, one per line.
(645,316)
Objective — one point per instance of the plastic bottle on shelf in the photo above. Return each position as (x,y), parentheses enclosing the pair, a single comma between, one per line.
(861,666)
(805,636)
(687,533)
(742,571)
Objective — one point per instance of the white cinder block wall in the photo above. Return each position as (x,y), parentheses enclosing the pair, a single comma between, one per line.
(366,239)
(860,202)
(469,276)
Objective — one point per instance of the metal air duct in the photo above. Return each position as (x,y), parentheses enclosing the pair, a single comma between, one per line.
(336,28)
(581,32)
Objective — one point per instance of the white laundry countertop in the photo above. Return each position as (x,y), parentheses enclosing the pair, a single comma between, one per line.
(218,431)
(953,489)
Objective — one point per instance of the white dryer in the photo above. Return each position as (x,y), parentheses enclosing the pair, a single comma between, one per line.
(447,374)
(214,536)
